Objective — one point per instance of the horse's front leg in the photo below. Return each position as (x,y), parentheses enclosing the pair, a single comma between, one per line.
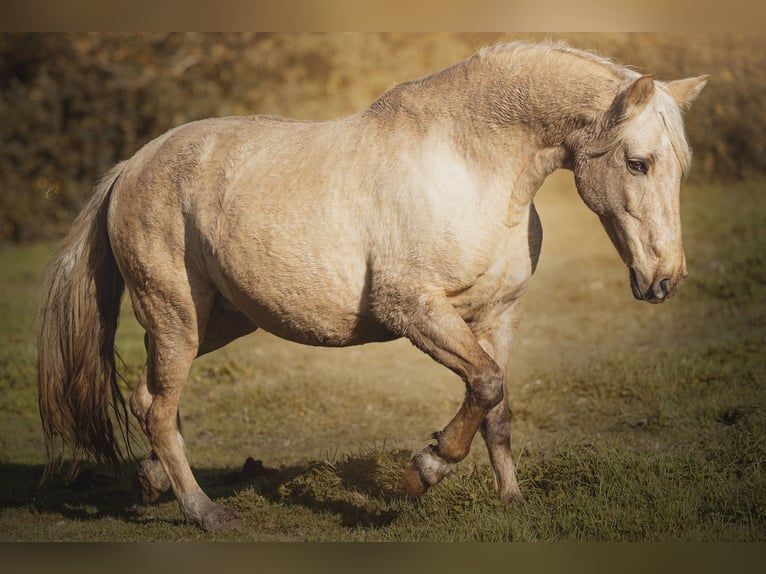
(497,338)
(434,326)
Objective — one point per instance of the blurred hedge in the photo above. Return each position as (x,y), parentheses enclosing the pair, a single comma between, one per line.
(71,105)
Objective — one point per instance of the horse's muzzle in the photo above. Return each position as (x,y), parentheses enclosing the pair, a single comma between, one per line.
(661,289)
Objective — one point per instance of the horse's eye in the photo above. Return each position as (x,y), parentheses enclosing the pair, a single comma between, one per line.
(638,166)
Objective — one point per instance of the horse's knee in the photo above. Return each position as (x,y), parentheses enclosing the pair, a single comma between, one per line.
(487,388)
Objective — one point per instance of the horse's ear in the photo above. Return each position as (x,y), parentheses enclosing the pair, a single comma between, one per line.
(632,99)
(638,94)
(685,91)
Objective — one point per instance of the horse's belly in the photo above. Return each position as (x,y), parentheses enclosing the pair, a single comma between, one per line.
(309,301)
(320,325)
(345,332)
(311,324)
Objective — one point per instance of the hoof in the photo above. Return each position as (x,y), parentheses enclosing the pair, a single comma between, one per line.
(425,470)
(221,518)
(515,499)
(151,481)
(413,485)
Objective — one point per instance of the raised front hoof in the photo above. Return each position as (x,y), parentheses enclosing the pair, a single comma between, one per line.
(413,483)
(424,471)
(151,481)
(219,518)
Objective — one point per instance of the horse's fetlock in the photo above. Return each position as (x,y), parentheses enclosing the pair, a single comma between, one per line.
(448,448)
(452,453)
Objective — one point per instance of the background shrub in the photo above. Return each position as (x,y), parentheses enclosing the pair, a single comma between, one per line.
(71,105)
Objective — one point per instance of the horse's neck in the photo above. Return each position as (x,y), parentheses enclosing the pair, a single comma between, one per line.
(546,96)
(554,102)
(513,123)
(540,114)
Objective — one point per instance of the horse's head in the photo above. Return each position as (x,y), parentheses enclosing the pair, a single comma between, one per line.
(629,173)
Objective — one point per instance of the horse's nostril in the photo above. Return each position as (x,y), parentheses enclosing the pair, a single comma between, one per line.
(659,290)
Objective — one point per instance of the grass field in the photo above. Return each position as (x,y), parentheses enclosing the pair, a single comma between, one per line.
(631,422)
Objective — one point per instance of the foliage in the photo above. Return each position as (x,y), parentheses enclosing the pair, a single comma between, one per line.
(71,105)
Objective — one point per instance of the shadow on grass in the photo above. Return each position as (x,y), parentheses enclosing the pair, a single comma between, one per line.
(362,491)
(91,495)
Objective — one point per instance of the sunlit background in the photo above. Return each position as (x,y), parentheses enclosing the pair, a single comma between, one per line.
(71,105)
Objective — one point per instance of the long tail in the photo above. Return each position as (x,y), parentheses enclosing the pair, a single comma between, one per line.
(77,376)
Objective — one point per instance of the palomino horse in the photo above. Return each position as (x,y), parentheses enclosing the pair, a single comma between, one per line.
(411,218)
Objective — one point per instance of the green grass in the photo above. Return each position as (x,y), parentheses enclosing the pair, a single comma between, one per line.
(631,422)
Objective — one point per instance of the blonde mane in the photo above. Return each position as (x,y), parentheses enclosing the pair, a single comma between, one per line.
(554,48)
(664,105)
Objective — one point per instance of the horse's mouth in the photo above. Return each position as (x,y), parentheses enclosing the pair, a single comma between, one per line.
(634,285)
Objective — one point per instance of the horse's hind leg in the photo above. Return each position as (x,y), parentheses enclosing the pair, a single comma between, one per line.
(169,361)
(174,321)
(151,480)
(224,324)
